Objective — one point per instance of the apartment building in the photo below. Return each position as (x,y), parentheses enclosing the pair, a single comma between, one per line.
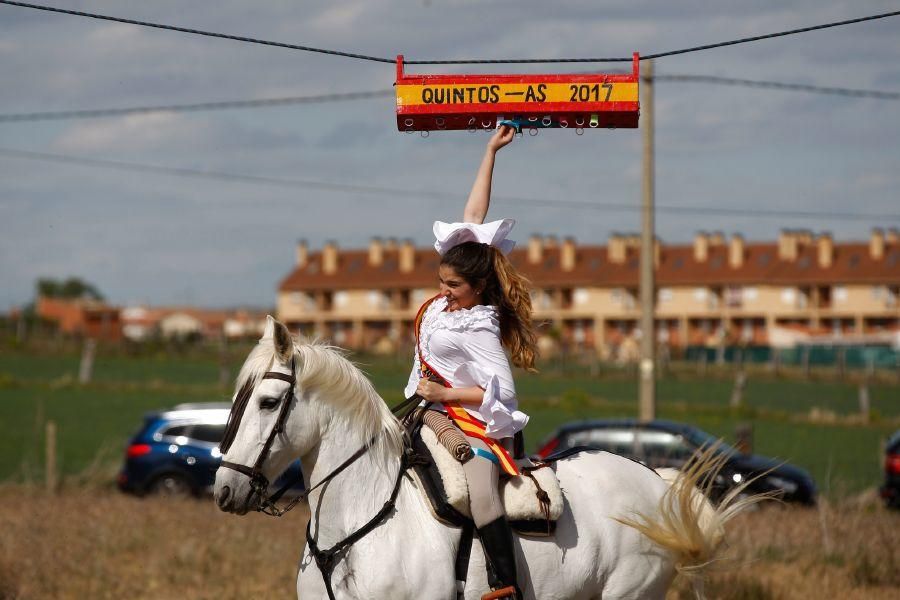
(716,290)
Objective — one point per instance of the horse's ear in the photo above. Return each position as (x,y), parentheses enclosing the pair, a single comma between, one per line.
(281,339)
(269,331)
(284,345)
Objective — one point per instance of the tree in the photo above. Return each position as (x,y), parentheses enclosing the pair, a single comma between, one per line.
(73,287)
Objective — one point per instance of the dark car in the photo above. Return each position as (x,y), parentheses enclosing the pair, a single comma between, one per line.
(890,491)
(669,444)
(176,452)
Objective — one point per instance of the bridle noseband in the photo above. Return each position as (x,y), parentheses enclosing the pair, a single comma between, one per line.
(259,483)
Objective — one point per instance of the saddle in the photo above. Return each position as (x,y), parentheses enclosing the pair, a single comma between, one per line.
(533,500)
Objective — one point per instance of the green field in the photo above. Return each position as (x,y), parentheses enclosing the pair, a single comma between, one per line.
(810,423)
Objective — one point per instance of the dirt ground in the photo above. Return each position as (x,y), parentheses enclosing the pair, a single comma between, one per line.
(90,542)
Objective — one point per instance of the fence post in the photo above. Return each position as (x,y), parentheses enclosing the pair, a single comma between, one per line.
(50,472)
(86,368)
(864,401)
(737,392)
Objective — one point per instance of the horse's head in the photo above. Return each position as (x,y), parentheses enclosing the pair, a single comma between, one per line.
(291,400)
(256,446)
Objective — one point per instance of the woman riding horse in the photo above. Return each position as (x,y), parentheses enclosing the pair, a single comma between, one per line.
(460,365)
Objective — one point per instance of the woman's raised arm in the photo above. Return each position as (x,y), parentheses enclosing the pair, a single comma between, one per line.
(480,197)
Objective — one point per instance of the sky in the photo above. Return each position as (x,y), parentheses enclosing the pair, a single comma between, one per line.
(156,238)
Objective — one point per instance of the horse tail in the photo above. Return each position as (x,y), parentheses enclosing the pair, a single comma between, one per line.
(686,523)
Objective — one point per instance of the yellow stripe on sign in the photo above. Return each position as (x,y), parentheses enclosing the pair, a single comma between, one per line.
(519,93)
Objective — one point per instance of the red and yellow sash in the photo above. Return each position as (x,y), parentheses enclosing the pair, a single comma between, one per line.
(466,422)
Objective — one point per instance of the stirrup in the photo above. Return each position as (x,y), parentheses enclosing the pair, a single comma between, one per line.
(507,592)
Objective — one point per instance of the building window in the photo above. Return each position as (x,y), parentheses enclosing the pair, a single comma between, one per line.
(734,296)
(824,296)
(700,294)
(788,295)
(325,301)
(578,335)
(546,299)
(403,299)
(840,294)
(340,299)
(665,295)
(747,331)
(750,294)
(581,296)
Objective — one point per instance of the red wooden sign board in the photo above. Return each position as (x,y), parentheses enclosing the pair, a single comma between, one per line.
(577,101)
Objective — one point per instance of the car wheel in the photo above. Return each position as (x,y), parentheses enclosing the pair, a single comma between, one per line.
(170,486)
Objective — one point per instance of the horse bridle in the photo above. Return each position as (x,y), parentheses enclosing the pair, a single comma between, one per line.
(259,483)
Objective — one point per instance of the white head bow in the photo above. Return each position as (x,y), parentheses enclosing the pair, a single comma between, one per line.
(448,235)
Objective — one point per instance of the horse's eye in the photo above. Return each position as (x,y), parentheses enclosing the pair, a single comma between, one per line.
(268,403)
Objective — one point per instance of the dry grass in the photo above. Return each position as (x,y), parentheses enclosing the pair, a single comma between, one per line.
(97,543)
(846,550)
(92,542)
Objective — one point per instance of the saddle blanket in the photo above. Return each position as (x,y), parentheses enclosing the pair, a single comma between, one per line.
(519,494)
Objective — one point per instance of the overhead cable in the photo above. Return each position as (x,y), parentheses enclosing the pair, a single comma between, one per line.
(772,35)
(445,62)
(776,85)
(237,38)
(434,194)
(200,106)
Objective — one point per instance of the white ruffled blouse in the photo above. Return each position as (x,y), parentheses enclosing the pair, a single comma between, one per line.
(464,347)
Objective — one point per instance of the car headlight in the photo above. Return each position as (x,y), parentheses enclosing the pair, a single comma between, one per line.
(787,485)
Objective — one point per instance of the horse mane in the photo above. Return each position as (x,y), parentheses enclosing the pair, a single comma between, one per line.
(324,371)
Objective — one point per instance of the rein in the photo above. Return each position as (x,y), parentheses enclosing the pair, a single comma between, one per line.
(325,559)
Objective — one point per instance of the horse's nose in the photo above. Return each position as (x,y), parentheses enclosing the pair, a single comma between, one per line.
(222,497)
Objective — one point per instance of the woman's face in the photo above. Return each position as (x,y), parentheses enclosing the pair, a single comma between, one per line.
(456,290)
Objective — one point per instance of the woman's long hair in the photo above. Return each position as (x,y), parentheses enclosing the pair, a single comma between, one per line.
(485,267)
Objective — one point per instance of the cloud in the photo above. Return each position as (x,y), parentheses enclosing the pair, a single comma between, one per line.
(131,132)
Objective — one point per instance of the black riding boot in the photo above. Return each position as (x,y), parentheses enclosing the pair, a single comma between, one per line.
(497,541)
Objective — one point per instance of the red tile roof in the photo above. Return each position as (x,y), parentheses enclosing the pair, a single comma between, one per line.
(851,263)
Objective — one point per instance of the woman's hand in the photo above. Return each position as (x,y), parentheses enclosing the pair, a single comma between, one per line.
(431,391)
(502,136)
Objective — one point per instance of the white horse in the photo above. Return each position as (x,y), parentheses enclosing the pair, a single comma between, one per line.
(625,531)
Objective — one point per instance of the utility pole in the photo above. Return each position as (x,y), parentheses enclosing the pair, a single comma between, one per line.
(647,371)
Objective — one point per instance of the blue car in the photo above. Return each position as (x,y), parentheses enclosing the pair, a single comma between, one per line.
(176,452)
